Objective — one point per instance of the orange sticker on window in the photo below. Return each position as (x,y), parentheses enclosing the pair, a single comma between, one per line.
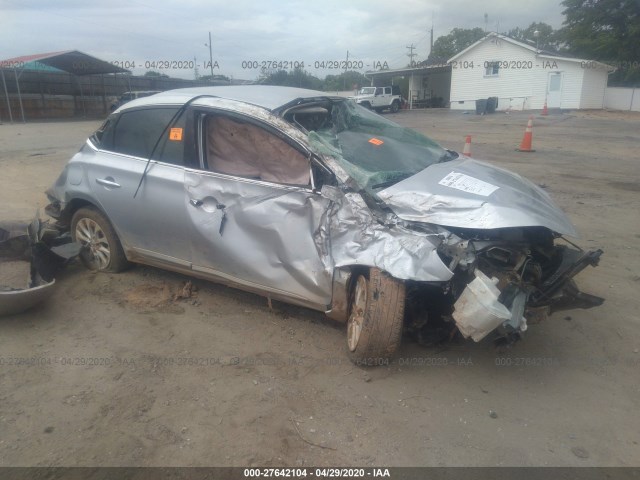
(377,142)
(175,134)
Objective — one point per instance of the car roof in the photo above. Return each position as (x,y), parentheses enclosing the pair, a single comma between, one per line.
(265,96)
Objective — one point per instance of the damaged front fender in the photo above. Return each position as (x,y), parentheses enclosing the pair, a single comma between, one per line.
(358,238)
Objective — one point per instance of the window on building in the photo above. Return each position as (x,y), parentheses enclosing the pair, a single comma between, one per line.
(492,68)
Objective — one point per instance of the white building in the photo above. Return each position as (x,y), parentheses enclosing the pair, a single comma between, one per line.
(523,77)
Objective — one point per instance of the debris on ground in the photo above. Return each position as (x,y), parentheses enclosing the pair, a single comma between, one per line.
(30,256)
(188,290)
(580,452)
(162,297)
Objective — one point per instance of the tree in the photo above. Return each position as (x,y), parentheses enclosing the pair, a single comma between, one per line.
(350,80)
(152,73)
(457,40)
(209,78)
(547,36)
(294,78)
(607,31)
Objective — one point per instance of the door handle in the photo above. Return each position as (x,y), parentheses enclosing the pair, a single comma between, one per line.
(196,203)
(107,183)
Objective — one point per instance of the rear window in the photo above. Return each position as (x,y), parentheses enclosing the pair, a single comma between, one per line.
(136,132)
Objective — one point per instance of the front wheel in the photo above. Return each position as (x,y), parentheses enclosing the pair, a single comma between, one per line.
(102,250)
(374,329)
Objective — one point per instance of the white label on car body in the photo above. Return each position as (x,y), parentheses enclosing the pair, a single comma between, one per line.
(463,182)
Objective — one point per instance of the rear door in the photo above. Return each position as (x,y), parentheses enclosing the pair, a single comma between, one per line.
(153,224)
(253,215)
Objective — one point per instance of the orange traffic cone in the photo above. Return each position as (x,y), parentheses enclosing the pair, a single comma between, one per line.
(525,146)
(466,151)
(545,110)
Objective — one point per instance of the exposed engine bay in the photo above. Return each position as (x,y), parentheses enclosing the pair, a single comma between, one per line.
(508,278)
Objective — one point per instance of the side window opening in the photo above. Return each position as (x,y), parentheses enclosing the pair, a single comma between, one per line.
(104,133)
(322,175)
(238,148)
(137,131)
(174,144)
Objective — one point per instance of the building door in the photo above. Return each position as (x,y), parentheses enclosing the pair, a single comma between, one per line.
(554,90)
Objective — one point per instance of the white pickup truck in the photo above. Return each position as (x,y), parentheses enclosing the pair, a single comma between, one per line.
(380,98)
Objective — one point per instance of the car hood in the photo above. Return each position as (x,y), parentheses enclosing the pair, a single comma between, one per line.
(467,193)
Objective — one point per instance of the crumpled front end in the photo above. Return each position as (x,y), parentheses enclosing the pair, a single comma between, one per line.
(509,278)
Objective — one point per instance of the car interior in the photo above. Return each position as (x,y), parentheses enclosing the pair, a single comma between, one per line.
(244,149)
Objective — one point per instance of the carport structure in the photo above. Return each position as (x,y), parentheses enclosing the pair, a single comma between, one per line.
(73,62)
(428,85)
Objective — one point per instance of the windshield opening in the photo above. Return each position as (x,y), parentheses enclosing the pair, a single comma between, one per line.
(367,91)
(374,151)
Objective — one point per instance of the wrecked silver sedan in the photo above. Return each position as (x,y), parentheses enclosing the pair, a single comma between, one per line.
(313,200)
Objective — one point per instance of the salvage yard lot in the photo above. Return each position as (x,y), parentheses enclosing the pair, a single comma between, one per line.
(118,370)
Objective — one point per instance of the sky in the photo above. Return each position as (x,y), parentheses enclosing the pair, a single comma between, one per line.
(167,36)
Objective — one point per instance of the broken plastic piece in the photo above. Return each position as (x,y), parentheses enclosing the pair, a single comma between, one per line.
(45,249)
(478,311)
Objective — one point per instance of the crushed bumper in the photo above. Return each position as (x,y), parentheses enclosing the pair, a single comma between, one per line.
(45,249)
(483,308)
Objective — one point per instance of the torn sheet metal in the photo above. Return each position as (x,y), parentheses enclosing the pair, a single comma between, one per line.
(470,194)
(357,238)
(45,250)
(269,235)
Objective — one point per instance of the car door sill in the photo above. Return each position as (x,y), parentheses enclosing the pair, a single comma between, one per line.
(277,294)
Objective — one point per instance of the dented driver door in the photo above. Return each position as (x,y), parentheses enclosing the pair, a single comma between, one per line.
(257,234)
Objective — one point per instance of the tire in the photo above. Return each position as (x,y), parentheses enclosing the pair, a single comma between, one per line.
(395,106)
(91,228)
(366,105)
(374,328)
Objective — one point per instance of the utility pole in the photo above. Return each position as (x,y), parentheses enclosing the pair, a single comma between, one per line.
(210,55)
(344,75)
(431,42)
(411,54)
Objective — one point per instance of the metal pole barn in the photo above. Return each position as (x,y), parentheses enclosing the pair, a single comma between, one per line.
(6,94)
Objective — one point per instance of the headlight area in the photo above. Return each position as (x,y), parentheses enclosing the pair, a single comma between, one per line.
(506,279)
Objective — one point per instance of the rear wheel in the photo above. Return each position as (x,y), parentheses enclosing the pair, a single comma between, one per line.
(102,251)
(395,106)
(374,329)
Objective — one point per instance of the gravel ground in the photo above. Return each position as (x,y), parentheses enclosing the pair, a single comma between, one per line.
(114,371)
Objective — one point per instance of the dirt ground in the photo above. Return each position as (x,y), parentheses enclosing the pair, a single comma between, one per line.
(116,371)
